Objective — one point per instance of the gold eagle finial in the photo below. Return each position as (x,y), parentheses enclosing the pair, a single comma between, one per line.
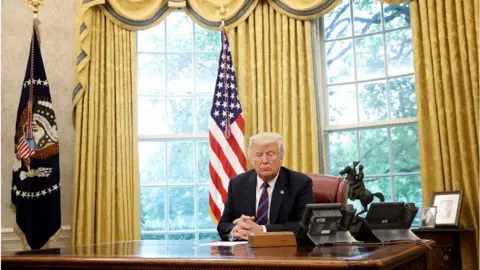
(35,5)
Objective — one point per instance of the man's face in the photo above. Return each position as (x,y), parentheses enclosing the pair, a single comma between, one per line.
(266,160)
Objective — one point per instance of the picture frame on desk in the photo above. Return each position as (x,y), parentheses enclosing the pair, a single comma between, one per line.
(427,217)
(449,205)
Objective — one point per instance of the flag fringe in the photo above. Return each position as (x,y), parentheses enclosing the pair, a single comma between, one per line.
(36,23)
(212,216)
(13,208)
(25,244)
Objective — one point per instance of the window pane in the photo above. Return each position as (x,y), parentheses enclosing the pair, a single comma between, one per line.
(203,106)
(408,189)
(181,236)
(178,22)
(151,73)
(204,221)
(181,208)
(203,174)
(180,114)
(153,236)
(380,184)
(339,61)
(205,72)
(370,57)
(374,151)
(342,150)
(337,21)
(152,39)
(152,162)
(403,100)
(368,16)
(396,15)
(206,40)
(373,101)
(151,115)
(208,236)
(405,149)
(342,105)
(152,202)
(180,73)
(399,52)
(180,162)
(377,184)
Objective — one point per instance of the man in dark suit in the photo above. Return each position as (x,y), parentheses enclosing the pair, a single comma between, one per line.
(267,199)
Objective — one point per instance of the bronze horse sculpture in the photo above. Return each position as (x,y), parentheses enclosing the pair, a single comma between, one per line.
(357,190)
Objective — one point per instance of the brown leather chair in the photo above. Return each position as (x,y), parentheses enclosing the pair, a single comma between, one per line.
(329,189)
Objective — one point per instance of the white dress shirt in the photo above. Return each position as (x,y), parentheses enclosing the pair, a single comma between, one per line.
(258,194)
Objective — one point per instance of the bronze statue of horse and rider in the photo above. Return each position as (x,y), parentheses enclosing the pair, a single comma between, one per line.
(357,189)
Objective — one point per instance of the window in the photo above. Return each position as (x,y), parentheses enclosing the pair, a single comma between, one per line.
(368,96)
(177,67)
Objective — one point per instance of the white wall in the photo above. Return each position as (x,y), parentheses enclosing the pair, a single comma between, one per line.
(57,44)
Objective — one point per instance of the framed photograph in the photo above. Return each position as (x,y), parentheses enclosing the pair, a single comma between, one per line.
(448,206)
(427,217)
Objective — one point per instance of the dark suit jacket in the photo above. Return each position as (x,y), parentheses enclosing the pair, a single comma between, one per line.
(286,209)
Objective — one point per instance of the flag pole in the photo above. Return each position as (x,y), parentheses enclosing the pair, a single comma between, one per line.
(35,5)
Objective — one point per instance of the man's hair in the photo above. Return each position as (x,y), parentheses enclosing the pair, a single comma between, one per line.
(263,138)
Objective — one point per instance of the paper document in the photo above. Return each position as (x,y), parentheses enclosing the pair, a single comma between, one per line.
(224,243)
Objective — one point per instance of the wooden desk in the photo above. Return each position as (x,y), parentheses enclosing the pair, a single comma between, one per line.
(183,255)
(447,248)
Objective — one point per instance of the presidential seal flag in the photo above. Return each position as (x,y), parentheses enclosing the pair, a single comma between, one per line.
(35,193)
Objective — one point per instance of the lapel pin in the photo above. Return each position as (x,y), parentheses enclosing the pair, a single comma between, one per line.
(281,191)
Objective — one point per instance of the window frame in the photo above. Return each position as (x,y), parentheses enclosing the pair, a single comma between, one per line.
(166,138)
(322,85)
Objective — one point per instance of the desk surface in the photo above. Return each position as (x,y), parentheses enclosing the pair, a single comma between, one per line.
(173,254)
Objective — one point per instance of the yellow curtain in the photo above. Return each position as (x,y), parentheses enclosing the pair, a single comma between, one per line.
(106,203)
(272,55)
(445,39)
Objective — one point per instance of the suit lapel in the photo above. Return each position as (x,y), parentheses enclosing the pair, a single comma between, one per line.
(279,192)
(250,195)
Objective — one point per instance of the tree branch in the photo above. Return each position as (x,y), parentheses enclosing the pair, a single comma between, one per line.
(402,47)
(373,148)
(333,25)
(397,10)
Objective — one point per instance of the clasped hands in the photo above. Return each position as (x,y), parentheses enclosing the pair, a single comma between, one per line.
(245,225)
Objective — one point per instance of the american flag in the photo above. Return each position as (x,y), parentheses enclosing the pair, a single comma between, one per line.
(25,148)
(226,133)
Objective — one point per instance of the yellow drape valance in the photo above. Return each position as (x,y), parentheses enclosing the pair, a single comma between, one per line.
(141,14)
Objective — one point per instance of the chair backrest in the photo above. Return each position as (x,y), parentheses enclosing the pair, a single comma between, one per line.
(329,189)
